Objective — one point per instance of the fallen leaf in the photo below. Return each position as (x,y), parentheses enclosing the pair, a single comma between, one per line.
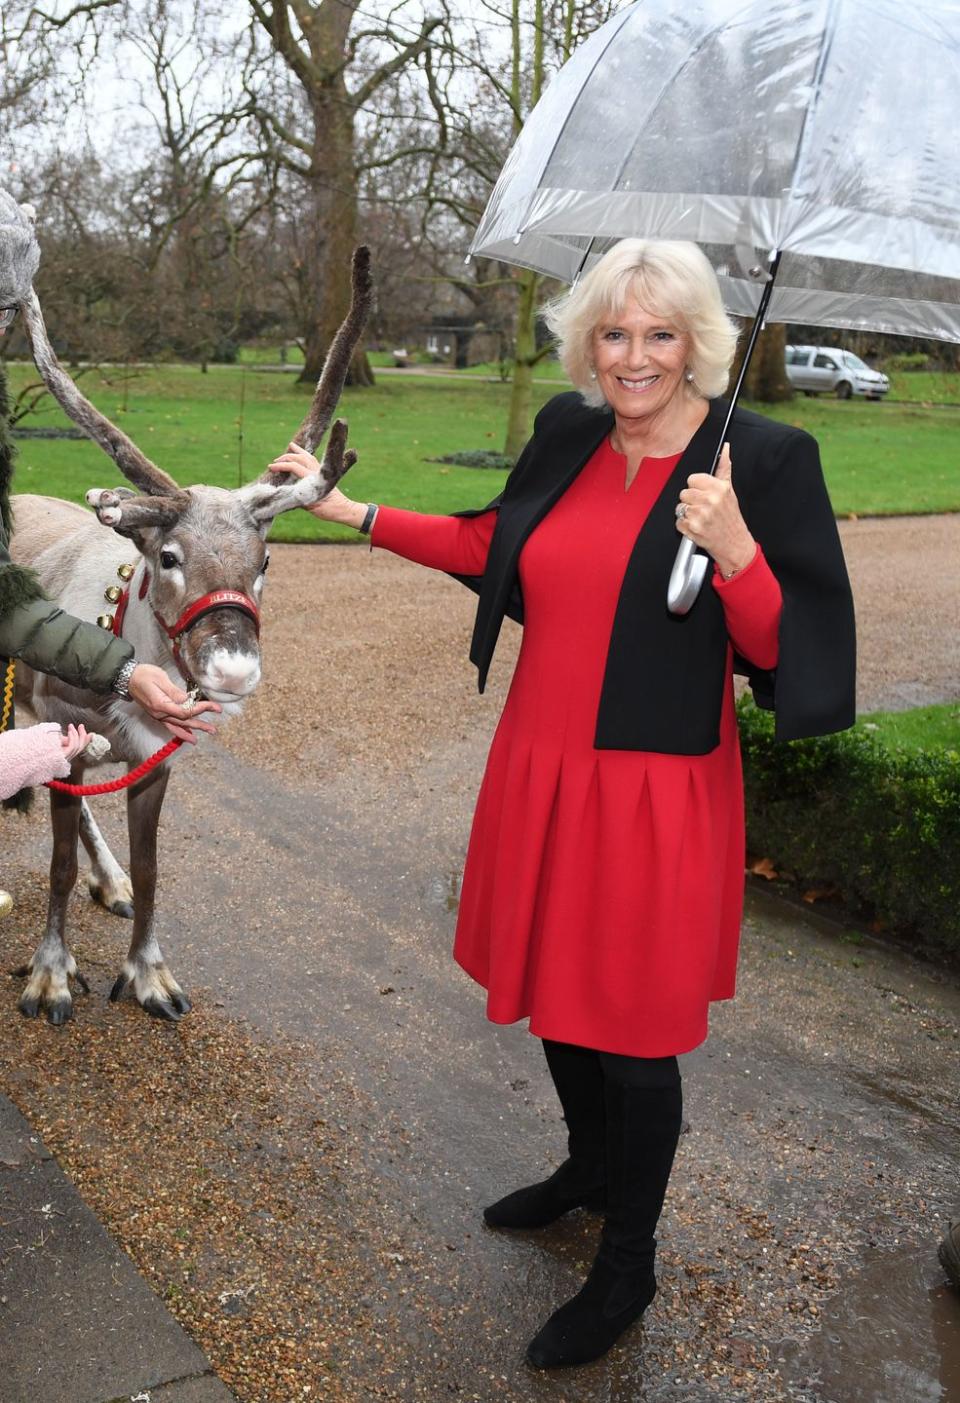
(820,894)
(763,867)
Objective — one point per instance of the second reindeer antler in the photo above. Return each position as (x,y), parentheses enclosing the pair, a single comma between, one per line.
(335,367)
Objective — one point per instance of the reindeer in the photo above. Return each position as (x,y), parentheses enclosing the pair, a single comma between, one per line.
(192,606)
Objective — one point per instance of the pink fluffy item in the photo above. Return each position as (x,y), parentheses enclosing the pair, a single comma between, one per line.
(31,756)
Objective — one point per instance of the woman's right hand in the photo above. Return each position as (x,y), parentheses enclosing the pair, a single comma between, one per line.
(335,506)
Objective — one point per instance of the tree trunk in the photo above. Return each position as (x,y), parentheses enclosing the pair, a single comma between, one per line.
(766,381)
(332,237)
(524,359)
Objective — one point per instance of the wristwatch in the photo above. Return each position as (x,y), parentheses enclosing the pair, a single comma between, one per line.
(121,683)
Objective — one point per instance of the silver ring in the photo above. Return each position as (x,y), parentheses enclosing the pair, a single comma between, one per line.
(680,510)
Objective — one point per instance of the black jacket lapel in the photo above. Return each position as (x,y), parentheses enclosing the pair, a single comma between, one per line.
(561,447)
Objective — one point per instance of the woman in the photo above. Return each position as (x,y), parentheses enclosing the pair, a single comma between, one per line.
(604,880)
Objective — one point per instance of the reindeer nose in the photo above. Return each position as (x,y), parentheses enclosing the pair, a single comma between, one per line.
(237,673)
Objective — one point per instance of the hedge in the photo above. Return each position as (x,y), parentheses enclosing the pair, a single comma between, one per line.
(878,823)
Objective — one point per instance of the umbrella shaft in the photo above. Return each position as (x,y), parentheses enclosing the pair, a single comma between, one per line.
(751,343)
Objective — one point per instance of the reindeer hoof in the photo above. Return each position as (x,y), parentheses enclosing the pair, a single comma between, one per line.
(119,906)
(120,984)
(81,981)
(48,989)
(162,1008)
(21,972)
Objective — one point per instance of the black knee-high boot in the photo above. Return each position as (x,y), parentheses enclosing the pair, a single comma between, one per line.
(579,1182)
(643,1127)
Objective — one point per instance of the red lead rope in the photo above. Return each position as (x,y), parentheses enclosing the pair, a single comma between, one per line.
(124,782)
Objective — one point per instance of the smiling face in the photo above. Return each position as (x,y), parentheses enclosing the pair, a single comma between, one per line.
(641,361)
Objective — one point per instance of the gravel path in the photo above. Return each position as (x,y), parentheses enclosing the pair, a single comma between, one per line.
(349,630)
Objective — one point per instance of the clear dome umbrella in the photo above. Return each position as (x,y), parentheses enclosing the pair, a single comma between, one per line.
(810,149)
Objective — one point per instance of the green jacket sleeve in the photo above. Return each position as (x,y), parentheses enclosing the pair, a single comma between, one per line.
(45,638)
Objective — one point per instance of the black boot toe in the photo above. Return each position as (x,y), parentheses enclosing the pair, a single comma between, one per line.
(588,1325)
(538,1205)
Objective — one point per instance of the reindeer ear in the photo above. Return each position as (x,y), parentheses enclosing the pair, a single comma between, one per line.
(130,515)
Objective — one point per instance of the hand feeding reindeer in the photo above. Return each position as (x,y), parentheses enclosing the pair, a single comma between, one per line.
(192,607)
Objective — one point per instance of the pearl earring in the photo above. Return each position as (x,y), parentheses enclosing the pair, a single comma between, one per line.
(689,377)
(593,375)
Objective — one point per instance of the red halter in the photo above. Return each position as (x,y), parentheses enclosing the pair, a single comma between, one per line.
(216,599)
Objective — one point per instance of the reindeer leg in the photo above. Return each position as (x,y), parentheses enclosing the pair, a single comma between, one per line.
(52,964)
(107,882)
(144,968)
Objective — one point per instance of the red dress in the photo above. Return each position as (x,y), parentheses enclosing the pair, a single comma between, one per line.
(603,889)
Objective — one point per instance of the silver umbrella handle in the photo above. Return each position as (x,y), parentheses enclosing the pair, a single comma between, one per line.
(689,569)
(686,577)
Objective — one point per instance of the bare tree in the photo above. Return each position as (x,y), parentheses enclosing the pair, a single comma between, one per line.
(339,60)
(33,42)
(511,48)
(209,181)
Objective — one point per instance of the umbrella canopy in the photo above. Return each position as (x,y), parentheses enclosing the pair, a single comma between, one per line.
(824,130)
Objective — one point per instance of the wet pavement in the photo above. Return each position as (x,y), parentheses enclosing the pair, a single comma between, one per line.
(316,903)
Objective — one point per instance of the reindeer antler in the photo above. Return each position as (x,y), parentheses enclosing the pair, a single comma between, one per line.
(335,367)
(273,493)
(127,456)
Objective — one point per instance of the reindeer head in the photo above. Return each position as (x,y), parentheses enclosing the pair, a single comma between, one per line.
(205,561)
(204,547)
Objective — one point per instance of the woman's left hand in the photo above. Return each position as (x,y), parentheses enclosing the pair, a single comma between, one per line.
(713,520)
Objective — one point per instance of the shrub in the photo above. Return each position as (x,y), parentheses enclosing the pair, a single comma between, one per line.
(878,823)
(225,351)
(912,360)
(476,458)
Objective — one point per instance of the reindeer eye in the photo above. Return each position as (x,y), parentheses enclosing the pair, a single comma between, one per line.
(266,562)
(168,560)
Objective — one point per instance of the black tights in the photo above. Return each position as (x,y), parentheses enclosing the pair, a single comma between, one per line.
(649,1072)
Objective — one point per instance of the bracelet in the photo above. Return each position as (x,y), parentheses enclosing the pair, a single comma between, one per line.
(121,683)
(368,519)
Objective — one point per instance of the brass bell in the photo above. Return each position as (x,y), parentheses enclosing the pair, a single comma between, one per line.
(105,620)
(112,593)
(126,571)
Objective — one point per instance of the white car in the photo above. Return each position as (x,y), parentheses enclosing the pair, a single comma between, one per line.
(827,370)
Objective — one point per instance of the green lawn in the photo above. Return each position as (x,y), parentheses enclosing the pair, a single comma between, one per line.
(188,423)
(269,354)
(925,386)
(923,728)
(882,459)
(878,458)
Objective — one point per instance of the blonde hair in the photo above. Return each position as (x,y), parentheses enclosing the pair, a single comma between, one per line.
(670,279)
